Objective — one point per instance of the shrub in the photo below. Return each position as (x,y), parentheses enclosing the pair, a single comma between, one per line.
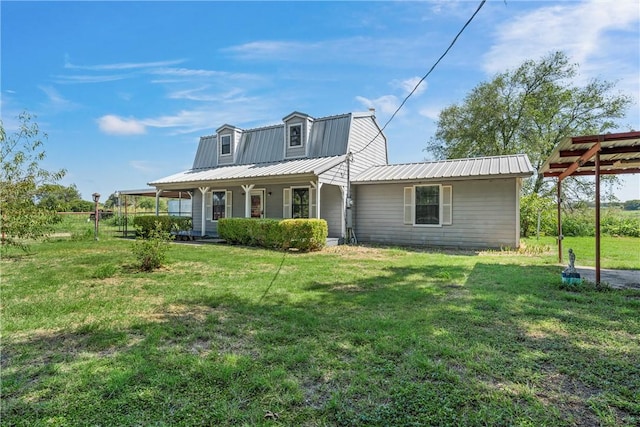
(145,223)
(301,234)
(304,234)
(151,252)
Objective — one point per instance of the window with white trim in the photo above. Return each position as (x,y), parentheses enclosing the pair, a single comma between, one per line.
(299,202)
(219,205)
(295,135)
(225,145)
(428,205)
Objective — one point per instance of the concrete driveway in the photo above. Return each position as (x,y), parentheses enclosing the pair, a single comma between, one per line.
(619,279)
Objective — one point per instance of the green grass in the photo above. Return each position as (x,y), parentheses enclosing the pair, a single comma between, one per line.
(347,336)
(615,252)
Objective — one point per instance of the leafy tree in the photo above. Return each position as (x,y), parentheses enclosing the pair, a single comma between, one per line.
(57,197)
(527,110)
(20,177)
(632,205)
(530,110)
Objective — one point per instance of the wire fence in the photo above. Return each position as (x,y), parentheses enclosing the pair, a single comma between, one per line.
(110,224)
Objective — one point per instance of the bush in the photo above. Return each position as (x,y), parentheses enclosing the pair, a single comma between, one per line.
(151,252)
(301,234)
(304,234)
(145,223)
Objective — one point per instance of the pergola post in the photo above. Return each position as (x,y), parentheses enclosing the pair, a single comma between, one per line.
(560,237)
(598,219)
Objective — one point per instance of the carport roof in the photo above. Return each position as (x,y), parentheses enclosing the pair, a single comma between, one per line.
(619,154)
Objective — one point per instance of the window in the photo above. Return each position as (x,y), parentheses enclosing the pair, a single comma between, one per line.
(225,145)
(300,203)
(295,135)
(428,205)
(219,200)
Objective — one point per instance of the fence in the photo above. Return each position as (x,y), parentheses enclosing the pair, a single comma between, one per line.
(83,223)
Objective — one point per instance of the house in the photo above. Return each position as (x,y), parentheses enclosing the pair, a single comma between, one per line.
(336,168)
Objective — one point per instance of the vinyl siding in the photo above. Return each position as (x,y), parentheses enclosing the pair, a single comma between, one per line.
(331,209)
(484,216)
(366,153)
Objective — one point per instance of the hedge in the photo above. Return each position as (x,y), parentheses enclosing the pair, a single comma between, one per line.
(301,234)
(145,223)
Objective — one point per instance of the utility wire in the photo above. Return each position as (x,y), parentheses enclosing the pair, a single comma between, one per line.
(425,76)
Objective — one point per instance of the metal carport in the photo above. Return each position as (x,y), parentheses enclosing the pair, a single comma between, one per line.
(592,155)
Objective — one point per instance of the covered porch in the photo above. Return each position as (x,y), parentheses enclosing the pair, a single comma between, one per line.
(304,188)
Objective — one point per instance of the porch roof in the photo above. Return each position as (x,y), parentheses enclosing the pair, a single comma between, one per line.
(306,166)
(471,168)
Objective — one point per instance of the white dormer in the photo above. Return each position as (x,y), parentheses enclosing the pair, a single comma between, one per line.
(228,137)
(297,128)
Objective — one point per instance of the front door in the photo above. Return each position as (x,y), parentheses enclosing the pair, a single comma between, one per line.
(257,204)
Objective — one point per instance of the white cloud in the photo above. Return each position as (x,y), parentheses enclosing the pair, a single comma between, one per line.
(581,29)
(385,104)
(142,165)
(122,65)
(115,125)
(407,85)
(430,112)
(89,79)
(55,100)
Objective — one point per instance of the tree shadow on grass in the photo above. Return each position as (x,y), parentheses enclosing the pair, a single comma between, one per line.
(435,345)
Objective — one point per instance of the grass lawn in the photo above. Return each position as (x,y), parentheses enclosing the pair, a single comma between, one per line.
(615,252)
(348,336)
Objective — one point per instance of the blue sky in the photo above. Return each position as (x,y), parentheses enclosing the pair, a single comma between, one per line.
(124,90)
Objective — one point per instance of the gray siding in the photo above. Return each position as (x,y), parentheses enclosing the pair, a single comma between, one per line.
(368,145)
(485,215)
(331,209)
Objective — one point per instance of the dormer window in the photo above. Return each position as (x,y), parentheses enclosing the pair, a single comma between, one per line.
(295,135)
(225,145)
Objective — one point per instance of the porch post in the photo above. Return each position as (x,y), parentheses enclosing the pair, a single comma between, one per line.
(158,192)
(247,199)
(317,185)
(203,191)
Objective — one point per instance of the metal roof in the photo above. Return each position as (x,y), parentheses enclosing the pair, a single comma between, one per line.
(480,167)
(151,192)
(619,154)
(313,166)
(329,136)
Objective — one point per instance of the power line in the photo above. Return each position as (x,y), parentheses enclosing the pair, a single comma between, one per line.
(425,76)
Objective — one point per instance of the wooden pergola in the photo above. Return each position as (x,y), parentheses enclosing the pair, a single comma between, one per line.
(592,155)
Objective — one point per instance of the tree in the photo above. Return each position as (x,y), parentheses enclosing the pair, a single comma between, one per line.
(57,197)
(20,177)
(528,110)
(632,205)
